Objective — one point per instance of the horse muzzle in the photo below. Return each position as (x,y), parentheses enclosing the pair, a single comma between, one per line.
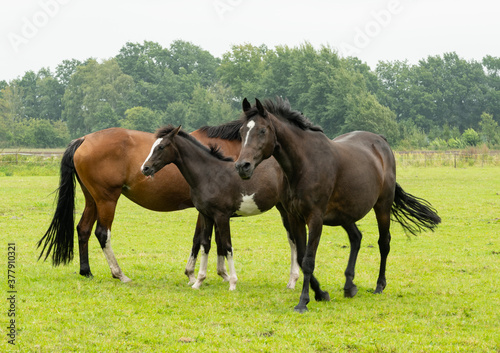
(148,171)
(245,169)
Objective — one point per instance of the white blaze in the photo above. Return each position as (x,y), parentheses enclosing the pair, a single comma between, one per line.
(248,207)
(157,142)
(250,126)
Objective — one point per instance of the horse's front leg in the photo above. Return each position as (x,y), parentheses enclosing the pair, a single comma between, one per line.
(315,225)
(294,265)
(225,246)
(191,264)
(205,243)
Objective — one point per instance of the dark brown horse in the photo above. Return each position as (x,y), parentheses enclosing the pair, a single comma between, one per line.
(107,164)
(217,191)
(331,182)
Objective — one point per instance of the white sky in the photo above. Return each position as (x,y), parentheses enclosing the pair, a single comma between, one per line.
(42,33)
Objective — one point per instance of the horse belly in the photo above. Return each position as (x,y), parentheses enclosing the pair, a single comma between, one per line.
(166,191)
(346,209)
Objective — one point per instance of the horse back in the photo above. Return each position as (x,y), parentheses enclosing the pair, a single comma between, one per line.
(108,163)
(365,175)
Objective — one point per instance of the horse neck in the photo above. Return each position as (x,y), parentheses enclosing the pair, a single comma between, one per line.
(194,163)
(295,147)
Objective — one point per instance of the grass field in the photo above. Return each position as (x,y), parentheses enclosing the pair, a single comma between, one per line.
(443,290)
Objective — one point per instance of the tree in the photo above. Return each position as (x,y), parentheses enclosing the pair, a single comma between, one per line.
(243,70)
(47,134)
(65,70)
(97,96)
(437,91)
(470,137)
(140,118)
(365,113)
(208,106)
(492,67)
(489,130)
(193,59)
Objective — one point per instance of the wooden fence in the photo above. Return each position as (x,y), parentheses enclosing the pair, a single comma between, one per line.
(454,159)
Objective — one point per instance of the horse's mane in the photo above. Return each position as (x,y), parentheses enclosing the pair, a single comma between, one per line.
(228,131)
(213,150)
(281,108)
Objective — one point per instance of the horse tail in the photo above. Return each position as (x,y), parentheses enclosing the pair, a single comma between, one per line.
(59,236)
(413,213)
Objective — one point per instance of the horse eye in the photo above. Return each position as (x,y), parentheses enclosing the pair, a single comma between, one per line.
(161,147)
(262,131)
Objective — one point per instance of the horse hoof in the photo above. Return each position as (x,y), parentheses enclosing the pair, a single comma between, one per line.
(197,285)
(125,279)
(323,297)
(300,309)
(350,292)
(292,281)
(378,290)
(87,274)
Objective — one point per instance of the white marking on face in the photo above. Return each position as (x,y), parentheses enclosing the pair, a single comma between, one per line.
(248,207)
(157,142)
(250,126)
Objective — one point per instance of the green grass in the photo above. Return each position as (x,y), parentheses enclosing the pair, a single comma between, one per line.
(29,165)
(442,295)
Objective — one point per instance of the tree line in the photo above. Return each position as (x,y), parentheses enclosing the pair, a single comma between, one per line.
(441,102)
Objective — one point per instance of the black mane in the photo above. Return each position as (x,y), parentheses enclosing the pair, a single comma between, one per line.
(228,131)
(214,150)
(281,108)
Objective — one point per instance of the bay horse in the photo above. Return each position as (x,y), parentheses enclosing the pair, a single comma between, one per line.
(107,164)
(330,182)
(217,191)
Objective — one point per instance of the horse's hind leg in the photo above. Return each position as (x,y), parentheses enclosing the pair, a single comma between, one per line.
(106,212)
(355,237)
(384,244)
(84,230)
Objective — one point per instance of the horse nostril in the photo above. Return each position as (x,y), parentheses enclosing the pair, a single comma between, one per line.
(145,170)
(243,166)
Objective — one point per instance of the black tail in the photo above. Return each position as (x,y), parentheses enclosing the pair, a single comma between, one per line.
(413,213)
(59,236)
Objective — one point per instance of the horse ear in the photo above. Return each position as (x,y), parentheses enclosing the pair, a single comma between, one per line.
(174,132)
(260,108)
(246,105)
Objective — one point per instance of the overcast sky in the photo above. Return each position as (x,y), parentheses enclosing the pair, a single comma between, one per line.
(43,33)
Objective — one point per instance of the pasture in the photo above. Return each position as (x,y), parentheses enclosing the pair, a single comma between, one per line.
(442,295)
